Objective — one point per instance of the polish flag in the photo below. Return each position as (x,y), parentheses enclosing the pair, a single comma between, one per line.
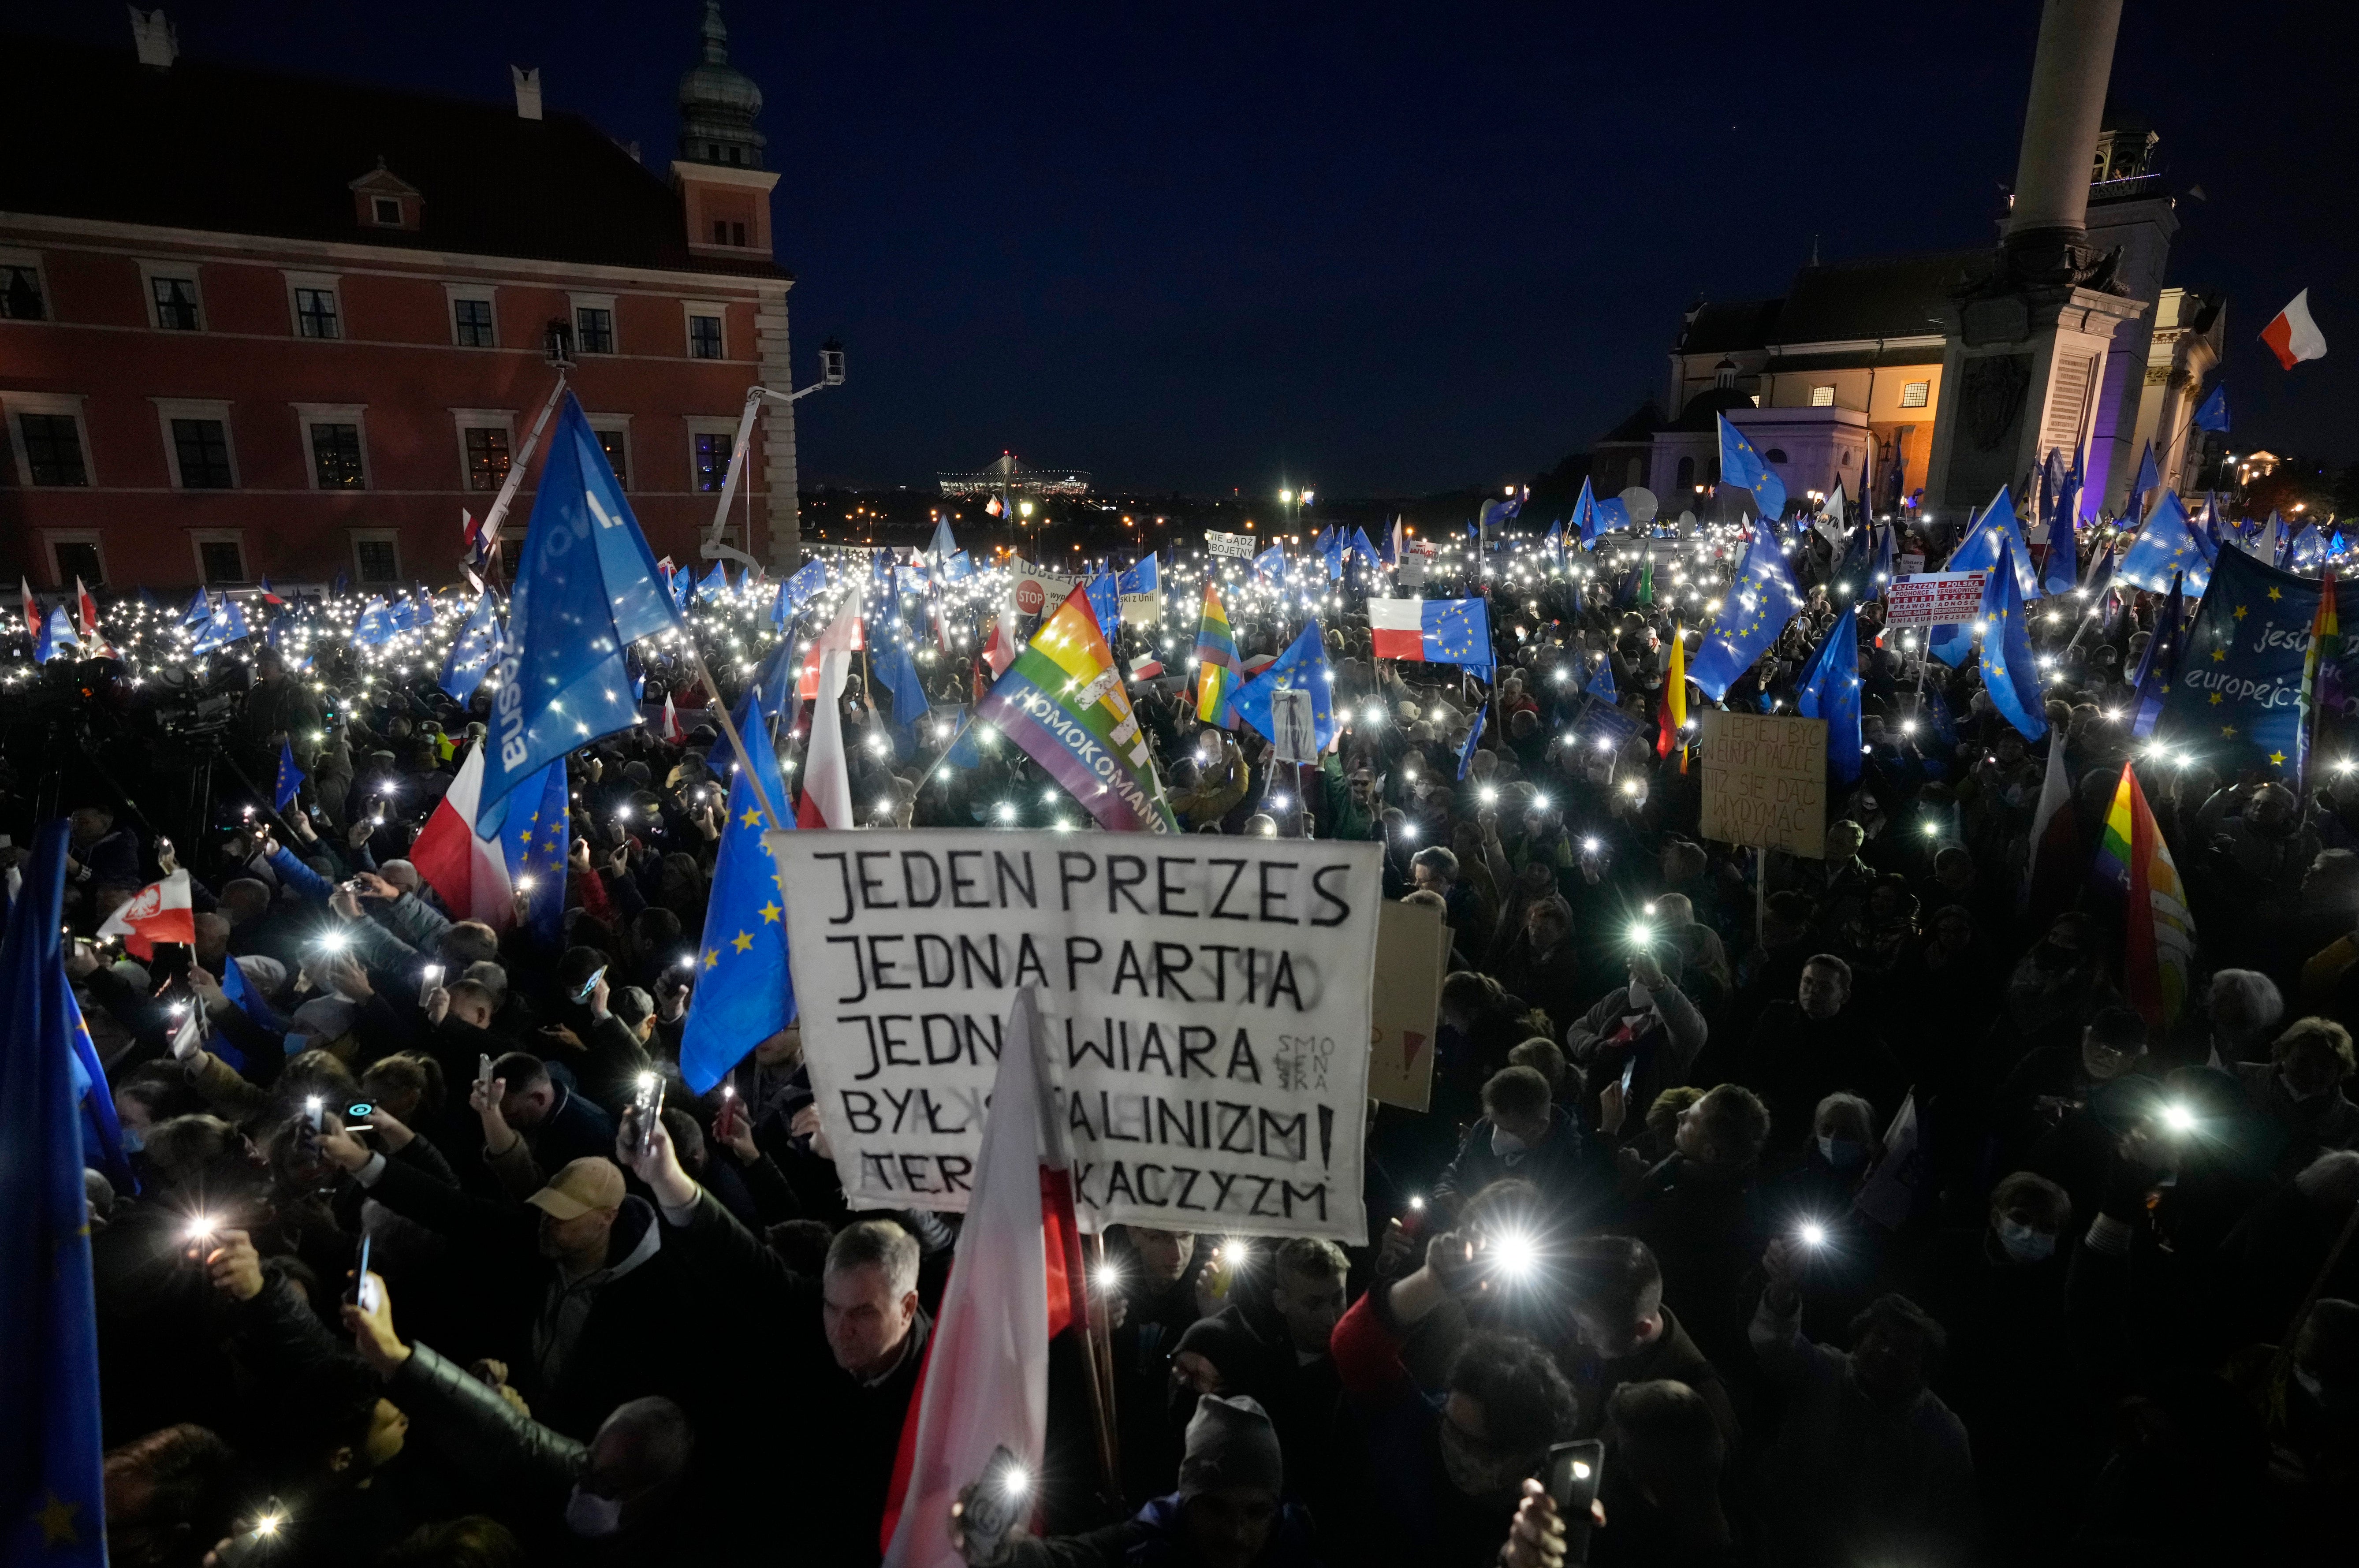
(1001,650)
(159,912)
(469,873)
(827,774)
(2293,336)
(671,730)
(1016,1284)
(32,611)
(843,634)
(2057,868)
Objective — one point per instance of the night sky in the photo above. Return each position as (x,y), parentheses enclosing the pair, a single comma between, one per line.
(1382,249)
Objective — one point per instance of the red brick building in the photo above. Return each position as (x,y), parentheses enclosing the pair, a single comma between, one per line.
(304,342)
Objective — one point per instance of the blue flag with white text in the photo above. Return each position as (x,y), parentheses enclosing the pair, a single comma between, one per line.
(585,590)
(2241,698)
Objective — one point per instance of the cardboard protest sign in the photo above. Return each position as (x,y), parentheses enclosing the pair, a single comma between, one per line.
(1207,1012)
(1241,547)
(1038,590)
(1934,599)
(1412,956)
(1765,781)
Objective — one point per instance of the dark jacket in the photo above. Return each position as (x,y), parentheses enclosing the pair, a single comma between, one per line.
(576,1350)
(1571,1178)
(576,1128)
(1794,1061)
(1706,1228)
(1671,1356)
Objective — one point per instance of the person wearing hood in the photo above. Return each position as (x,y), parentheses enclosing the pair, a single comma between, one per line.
(1645,1028)
(1524,1134)
(577,1293)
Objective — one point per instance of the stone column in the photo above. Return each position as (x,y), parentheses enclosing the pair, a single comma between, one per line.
(2059,130)
(774,431)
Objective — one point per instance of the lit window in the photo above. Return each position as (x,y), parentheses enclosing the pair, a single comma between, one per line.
(487,457)
(1915,394)
(611,442)
(336,457)
(1822,396)
(712,461)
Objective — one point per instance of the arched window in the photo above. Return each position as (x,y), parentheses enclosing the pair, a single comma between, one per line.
(1687,474)
(1775,454)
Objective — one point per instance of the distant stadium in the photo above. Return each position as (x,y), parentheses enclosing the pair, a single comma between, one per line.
(1009,479)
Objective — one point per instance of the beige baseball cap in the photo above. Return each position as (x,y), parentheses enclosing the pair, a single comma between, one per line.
(586,1185)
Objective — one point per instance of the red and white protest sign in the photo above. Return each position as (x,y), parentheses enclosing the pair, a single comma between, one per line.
(1934,599)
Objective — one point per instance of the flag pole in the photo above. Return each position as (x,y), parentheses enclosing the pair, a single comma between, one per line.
(514,480)
(1097,1362)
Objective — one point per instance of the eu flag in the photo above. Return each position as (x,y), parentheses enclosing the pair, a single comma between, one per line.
(1829,689)
(2150,477)
(52,1501)
(1105,604)
(716,581)
(2158,665)
(898,674)
(1303,665)
(2213,415)
(1601,685)
(744,993)
(585,590)
(226,625)
(472,651)
(1270,564)
(2244,687)
(290,778)
(1474,741)
(1746,469)
(1758,605)
(1585,515)
(533,826)
(2010,673)
(1144,576)
(2168,547)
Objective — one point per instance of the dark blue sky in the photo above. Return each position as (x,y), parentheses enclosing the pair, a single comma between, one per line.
(1381,248)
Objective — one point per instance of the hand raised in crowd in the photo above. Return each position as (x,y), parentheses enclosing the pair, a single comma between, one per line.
(347,903)
(436,1005)
(1536,1539)
(234,1267)
(806,1124)
(1783,1262)
(657,1164)
(167,859)
(1394,1248)
(493,1375)
(359,832)
(210,994)
(578,860)
(735,1132)
(392,1135)
(1646,970)
(598,994)
(343,1146)
(372,1327)
(563,1035)
(372,886)
(486,1096)
(349,975)
(81,960)
(978,1553)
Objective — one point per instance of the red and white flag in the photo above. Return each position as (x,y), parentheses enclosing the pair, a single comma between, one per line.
(671,730)
(2293,336)
(2056,868)
(1016,1284)
(159,912)
(843,634)
(469,874)
(32,611)
(999,651)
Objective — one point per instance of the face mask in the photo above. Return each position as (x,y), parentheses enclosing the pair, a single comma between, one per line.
(2023,1244)
(1842,1153)
(1505,1143)
(591,1516)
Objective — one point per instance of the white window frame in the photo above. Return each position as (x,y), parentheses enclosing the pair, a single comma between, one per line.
(171,408)
(332,283)
(70,403)
(619,424)
(1822,396)
(353,414)
(176,271)
(483,293)
(465,419)
(1924,390)
(32,259)
(577,303)
(355,538)
(52,537)
(705,425)
(691,309)
(199,538)
(376,218)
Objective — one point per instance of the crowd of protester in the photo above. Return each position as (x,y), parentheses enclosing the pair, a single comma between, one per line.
(1666,1073)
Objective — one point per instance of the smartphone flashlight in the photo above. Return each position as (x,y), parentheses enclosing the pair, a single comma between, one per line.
(1812,1234)
(2177,1118)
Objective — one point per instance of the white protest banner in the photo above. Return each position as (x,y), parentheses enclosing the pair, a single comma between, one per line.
(1037,591)
(1765,781)
(1910,562)
(1412,956)
(1243,547)
(1934,599)
(1207,1014)
(1296,737)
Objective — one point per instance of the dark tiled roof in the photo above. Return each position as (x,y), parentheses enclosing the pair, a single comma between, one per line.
(230,149)
(1703,409)
(1890,296)
(1739,323)
(1639,427)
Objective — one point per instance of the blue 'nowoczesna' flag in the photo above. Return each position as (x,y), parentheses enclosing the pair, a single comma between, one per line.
(1829,689)
(745,992)
(585,590)
(52,1494)
(1760,605)
(1303,665)
(1747,469)
(2240,698)
(472,651)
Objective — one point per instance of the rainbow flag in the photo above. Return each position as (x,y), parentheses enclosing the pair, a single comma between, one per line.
(2321,690)
(1064,706)
(2158,932)
(1216,663)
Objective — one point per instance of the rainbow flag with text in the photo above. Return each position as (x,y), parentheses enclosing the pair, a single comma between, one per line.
(1064,706)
